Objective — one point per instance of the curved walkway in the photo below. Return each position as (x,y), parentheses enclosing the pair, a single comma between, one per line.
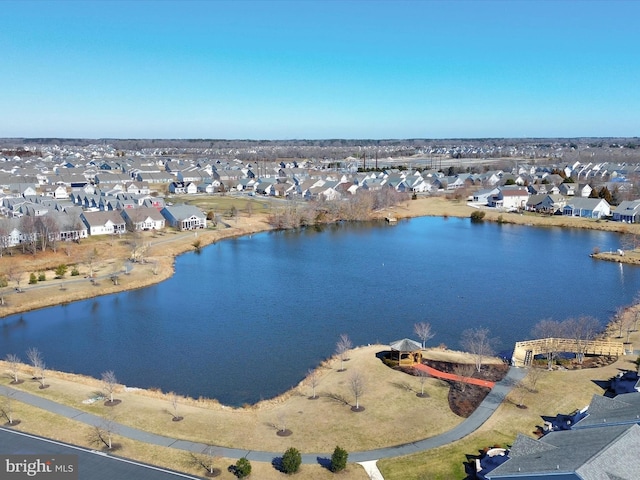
(450,376)
(467,426)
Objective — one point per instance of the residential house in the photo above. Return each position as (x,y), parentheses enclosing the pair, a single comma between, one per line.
(587,208)
(143,218)
(627,212)
(545,203)
(482,196)
(104,222)
(596,446)
(184,217)
(509,198)
(567,189)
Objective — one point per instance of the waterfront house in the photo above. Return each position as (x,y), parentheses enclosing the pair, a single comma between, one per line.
(104,222)
(627,212)
(143,218)
(184,217)
(587,208)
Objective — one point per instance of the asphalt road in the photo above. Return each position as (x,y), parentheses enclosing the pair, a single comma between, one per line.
(92,465)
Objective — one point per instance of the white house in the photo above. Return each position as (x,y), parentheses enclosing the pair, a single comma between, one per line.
(587,208)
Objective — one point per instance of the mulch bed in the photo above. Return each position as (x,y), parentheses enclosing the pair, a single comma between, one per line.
(464,399)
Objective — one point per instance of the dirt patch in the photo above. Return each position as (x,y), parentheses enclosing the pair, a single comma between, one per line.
(464,398)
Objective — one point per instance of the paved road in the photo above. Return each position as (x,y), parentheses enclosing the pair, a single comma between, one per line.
(91,464)
(467,426)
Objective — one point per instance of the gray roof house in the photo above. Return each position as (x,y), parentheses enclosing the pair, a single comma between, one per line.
(103,223)
(184,217)
(627,212)
(585,454)
(587,208)
(143,218)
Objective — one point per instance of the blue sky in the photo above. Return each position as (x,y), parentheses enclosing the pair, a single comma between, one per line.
(319,69)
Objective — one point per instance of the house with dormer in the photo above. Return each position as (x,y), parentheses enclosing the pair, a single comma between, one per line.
(627,212)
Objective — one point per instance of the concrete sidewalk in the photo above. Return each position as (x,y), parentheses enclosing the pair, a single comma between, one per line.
(467,426)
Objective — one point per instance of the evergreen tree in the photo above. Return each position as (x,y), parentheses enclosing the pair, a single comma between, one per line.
(291,461)
(339,459)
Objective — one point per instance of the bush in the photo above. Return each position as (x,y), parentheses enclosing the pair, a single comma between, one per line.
(243,468)
(75,272)
(477,216)
(339,459)
(42,277)
(33,279)
(61,270)
(291,461)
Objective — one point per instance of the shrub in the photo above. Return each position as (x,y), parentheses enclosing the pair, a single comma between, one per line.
(243,468)
(339,459)
(477,216)
(291,461)
(500,219)
(33,279)
(42,277)
(61,270)
(75,272)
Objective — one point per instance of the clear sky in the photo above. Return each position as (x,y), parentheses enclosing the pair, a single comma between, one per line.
(308,69)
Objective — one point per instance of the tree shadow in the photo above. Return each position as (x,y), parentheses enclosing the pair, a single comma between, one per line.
(334,397)
(277,464)
(324,462)
(406,386)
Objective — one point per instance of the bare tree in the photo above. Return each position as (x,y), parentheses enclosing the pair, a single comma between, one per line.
(313,379)
(6,408)
(422,378)
(206,460)
(91,260)
(582,330)
(35,358)
(29,231)
(102,434)
(14,365)
(464,370)
(109,383)
(423,331)
(174,407)
(551,331)
(357,387)
(533,377)
(342,349)
(478,342)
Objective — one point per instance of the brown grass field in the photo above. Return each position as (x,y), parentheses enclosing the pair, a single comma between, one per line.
(393,414)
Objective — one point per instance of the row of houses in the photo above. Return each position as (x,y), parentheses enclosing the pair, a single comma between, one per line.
(517,198)
(75,225)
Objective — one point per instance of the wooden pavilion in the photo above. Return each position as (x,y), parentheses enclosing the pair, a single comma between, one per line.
(407,352)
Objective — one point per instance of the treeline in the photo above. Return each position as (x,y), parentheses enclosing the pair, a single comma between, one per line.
(357,207)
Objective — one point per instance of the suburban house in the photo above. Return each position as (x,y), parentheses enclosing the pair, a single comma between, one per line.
(104,222)
(597,445)
(143,218)
(627,212)
(482,196)
(545,203)
(184,217)
(509,198)
(587,208)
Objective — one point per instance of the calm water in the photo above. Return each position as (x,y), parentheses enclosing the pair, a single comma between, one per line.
(246,318)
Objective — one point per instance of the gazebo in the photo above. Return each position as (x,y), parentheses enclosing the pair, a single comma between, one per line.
(406,351)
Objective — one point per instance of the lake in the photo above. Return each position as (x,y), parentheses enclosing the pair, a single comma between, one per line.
(245,318)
